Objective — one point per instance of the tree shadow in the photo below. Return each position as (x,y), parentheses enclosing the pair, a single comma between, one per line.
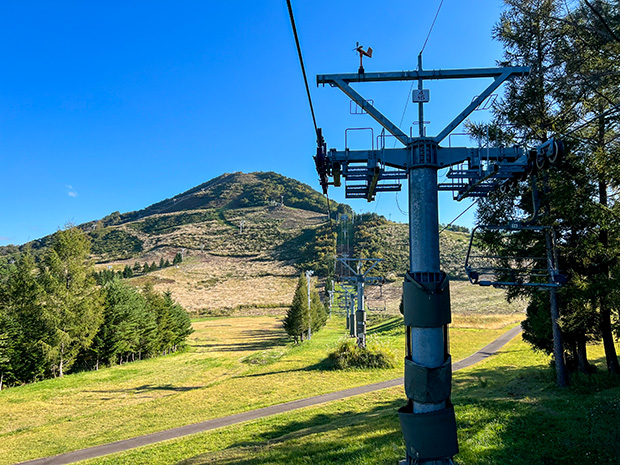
(145,388)
(323,365)
(386,326)
(508,415)
(358,425)
(260,339)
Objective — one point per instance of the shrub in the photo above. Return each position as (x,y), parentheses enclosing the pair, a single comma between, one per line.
(349,355)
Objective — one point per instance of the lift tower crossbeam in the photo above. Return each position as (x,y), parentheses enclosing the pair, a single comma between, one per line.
(427,421)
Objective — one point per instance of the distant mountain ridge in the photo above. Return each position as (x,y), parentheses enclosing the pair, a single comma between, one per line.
(127,235)
(237,190)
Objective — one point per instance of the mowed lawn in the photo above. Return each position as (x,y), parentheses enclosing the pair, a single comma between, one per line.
(234,364)
(508,412)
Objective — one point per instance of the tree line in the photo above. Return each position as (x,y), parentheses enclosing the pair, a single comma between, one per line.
(106,275)
(54,318)
(572,93)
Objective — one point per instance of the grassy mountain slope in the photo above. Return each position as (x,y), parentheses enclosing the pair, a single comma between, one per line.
(242,247)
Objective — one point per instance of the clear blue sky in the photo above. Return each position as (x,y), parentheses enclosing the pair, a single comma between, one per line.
(108,106)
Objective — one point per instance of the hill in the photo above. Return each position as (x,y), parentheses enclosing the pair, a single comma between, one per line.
(244,238)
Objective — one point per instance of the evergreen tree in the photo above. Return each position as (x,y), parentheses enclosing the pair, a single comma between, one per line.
(178,258)
(118,336)
(8,337)
(127,272)
(318,312)
(146,268)
(161,263)
(296,320)
(137,268)
(71,303)
(573,78)
(181,323)
(24,320)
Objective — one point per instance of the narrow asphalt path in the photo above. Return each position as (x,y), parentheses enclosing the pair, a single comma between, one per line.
(121,446)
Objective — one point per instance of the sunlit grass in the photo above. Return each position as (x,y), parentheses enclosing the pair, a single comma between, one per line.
(210,380)
(508,411)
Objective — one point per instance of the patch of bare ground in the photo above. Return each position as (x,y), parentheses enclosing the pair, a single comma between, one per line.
(210,284)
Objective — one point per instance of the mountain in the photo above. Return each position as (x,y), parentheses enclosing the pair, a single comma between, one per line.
(237,190)
(244,237)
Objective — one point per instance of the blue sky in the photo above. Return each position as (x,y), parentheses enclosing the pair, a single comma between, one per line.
(108,106)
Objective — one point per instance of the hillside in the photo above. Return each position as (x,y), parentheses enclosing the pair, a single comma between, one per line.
(244,238)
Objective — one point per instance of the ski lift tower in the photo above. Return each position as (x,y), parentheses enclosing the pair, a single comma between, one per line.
(359,278)
(427,421)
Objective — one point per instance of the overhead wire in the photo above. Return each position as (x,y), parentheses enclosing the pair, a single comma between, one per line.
(461,214)
(301,62)
(303,72)
(402,118)
(431,28)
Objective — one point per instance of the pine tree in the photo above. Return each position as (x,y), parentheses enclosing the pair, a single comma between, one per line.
(71,303)
(318,312)
(22,297)
(296,320)
(127,272)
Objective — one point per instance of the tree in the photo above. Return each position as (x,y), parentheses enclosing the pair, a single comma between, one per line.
(8,336)
(127,272)
(296,320)
(318,312)
(118,336)
(574,78)
(178,258)
(71,303)
(24,322)
(181,323)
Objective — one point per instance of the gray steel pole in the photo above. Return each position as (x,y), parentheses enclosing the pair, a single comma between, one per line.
(360,317)
(308,274)
(427,344)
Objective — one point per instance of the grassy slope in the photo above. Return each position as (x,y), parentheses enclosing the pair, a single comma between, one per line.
(209,381)
(508,411)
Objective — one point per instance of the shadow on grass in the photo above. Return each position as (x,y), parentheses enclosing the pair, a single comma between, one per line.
(260,339)
(154,387)
(365,434)
(508,415)
(386,326)
(323,365)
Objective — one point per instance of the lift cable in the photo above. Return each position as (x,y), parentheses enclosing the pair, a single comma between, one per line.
(301,62)
(431,29)
(591,120)
(303,71)
(461,214)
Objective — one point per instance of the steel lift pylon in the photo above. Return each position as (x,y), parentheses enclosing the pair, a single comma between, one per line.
(427,421)
(359,278)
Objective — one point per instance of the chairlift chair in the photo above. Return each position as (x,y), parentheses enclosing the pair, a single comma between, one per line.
(532,266)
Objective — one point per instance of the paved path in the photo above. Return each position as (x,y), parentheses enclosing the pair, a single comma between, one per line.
(120,446)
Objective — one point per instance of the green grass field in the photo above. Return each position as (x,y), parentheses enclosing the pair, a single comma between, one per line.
(238,364)
(508,412)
